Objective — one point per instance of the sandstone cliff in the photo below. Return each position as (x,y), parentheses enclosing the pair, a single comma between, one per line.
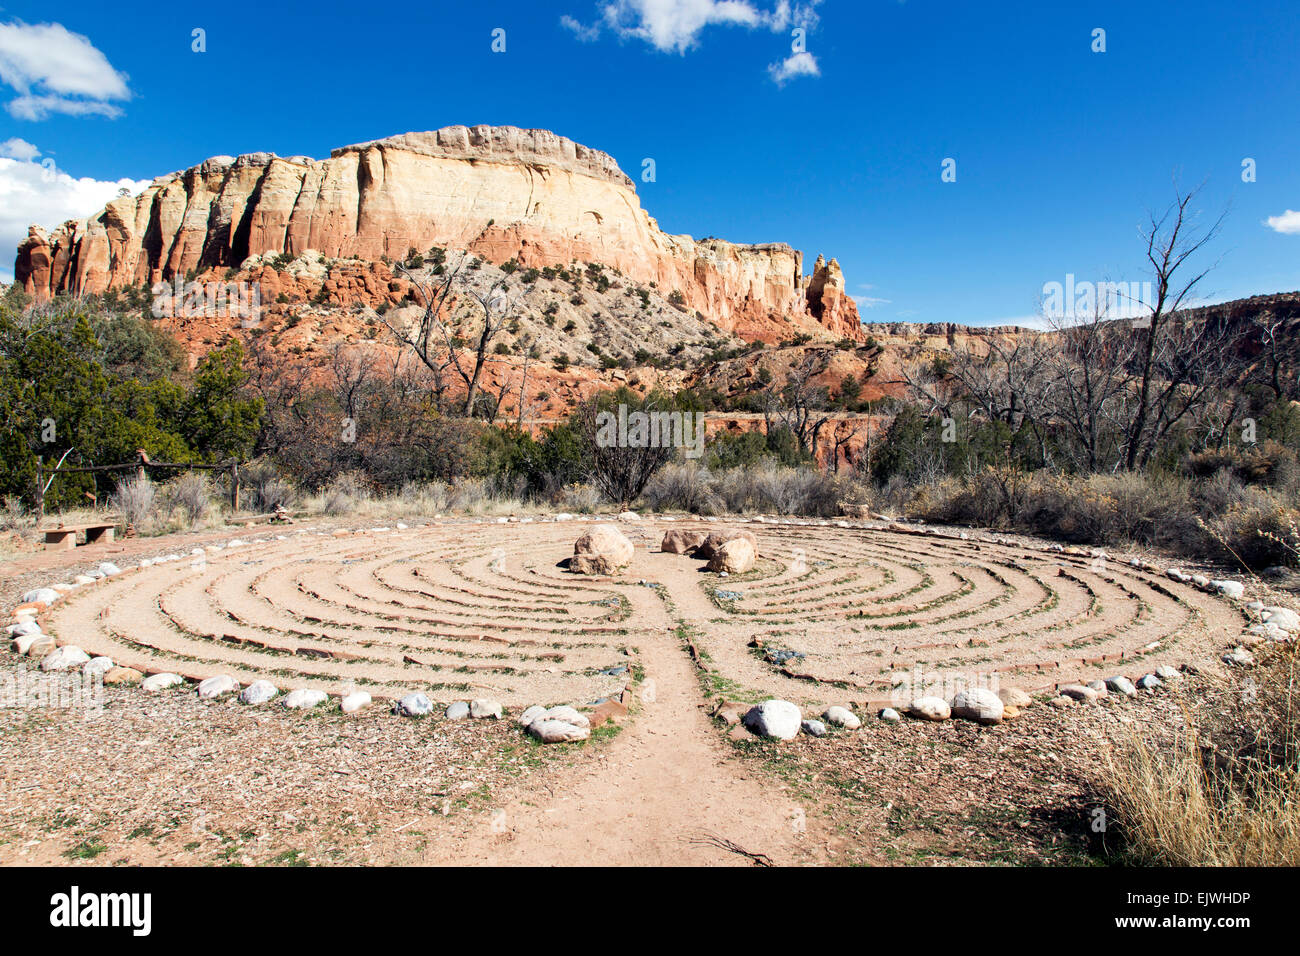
(499,192)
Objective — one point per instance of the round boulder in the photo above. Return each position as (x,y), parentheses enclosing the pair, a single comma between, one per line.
(733,557)
(66,658)
(929,708)
(717,539)
(978,704)
(775,719)
(215,687)
(258,692)
(602,550)
(682,541)
(841,717)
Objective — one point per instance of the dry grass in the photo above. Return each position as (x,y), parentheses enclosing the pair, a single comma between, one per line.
(1226,790)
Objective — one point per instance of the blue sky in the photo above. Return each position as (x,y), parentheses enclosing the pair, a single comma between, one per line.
(1060,151)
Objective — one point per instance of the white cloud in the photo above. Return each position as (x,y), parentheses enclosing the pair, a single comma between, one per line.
(38,192)
(56,71)
(1288,223)
(796,64)
(20,149)
(674,26)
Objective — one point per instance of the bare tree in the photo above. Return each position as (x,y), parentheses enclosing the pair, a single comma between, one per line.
(431,336)
(1171,241)
(798,404)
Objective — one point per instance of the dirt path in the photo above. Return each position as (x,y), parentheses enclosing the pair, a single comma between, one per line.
(666,791)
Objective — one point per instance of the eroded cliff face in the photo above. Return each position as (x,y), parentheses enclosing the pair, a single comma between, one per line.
(499,192)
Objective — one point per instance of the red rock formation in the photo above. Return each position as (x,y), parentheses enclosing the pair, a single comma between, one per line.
(499,192)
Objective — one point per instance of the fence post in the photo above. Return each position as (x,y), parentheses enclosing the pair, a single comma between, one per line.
(234,487)
(40,488)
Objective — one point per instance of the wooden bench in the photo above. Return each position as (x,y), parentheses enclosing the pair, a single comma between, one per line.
(64,537)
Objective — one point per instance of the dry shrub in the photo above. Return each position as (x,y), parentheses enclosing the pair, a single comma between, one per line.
(133,500)
(683,487)
(265,490)
(345,494)
(190,494)
(1226,792)
(581,498)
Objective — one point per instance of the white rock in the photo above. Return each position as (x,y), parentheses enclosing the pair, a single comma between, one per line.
(1230,589)
(258,692)
(1149,682)
(557,731)
(1282,617)
(109,568)
(841,717)
(157,682)
(413,705)
(43,595)
(98,666)
(929,708)
(813,728)
(628,516)
(1121,685)
(64,658)
(23,628)
(215,687)
(304,699)
(456,710)
(566,714)
(1239,657)
(355,701)
(23,643)
(531,714)
(777,719)
(1099,686)
(1165,672)
(83,579)
(978,704)
(1270,631)
(1078,692)
(564,516)
(889,715)
(482,708)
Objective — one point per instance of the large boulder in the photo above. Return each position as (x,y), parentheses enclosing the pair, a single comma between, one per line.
(777,719)
(717,539)
(682,541)
(734,557)
(602,550)
(978,704)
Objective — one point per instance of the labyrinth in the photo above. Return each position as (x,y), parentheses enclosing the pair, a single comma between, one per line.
(832,611)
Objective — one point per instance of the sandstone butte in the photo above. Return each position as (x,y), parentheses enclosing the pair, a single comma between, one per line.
(498,192)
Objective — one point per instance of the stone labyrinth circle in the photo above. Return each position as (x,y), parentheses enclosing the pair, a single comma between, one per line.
(459,609)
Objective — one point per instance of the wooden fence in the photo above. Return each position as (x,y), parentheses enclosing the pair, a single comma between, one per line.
(140,465)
